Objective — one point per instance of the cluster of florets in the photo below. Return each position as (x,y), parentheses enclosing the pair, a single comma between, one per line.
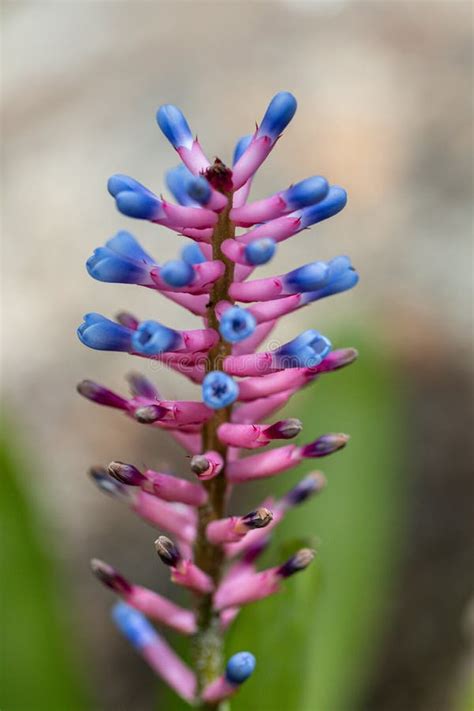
(251,385)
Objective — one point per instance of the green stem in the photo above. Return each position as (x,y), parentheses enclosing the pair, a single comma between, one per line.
(208,642)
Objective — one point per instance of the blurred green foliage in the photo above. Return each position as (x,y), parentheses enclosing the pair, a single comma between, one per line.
(37,672)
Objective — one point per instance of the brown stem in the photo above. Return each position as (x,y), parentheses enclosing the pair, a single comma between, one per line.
(208,641)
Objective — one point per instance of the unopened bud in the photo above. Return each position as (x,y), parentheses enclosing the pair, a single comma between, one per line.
(297,562)
(168,551)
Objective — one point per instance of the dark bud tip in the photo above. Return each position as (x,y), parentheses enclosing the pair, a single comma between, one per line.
(105,483)
(297,562)
(285,429)
(126,473)
(110,577)
(128,320)
(97,393)
(149,414)
(327,444)
(199,464)
(258,519)
(311,484)
(141,386)
(168,551)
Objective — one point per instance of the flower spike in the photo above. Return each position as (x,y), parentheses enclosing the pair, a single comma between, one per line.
(242,379)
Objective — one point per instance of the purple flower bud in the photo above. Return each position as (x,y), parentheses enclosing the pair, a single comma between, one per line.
(140,386)
(297,562)
(97,393)
(126,473)
(327,444)
(311,484)
(167,551)
(110,577)
(260,518)
(284,429)
(125,318)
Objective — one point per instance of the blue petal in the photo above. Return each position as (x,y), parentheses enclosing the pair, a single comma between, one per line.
(125,245)
(345,282)
(177,180)
(142,205)
(308,277)
(240,148)
(152,338)
(307,192)
(177,273)
(199,189)
(134,626)
(333,203)
(278,115)
(192,254)
(237,324)
(239,667)
(119,183)
(175,127)
(260,251)
(102,334)
(219,390)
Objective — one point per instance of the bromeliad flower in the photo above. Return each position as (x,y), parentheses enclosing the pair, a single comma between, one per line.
(212,553)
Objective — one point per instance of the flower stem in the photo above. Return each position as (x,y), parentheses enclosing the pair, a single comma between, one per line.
(208,641)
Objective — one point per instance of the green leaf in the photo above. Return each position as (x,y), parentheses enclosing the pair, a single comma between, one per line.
(37,671)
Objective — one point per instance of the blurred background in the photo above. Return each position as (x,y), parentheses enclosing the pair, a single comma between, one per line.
(384,621)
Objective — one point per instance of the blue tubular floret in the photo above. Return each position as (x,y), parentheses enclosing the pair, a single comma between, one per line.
(260,251)
(278,115)
(219,390)
(333,203)
(239,667)
(152,338)
(122,260)
(307,192)
(101,334)
(305,351)
(236,324)
(174,126)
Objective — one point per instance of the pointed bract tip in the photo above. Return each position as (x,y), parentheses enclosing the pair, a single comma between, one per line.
(312,484)
(285,429)
(126,473)
(298,561)
(259,518)
(167,551)
(149,413)
(239,667)
(110,577)
(199,464)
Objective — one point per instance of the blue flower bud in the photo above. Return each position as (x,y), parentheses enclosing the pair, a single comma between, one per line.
(307,278)
(177,273)
(177,180)
(260,251)
(120,183)
(307,192)
(305,351)
(333,203)
(143,205)
(192,254)
(219,390)
(152,338)
(278,115)
(102,334)
(199,189)
(237,324)
(133,625)
(342,277)
(239,667)
(240,148)
(122,260)
(175,127)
